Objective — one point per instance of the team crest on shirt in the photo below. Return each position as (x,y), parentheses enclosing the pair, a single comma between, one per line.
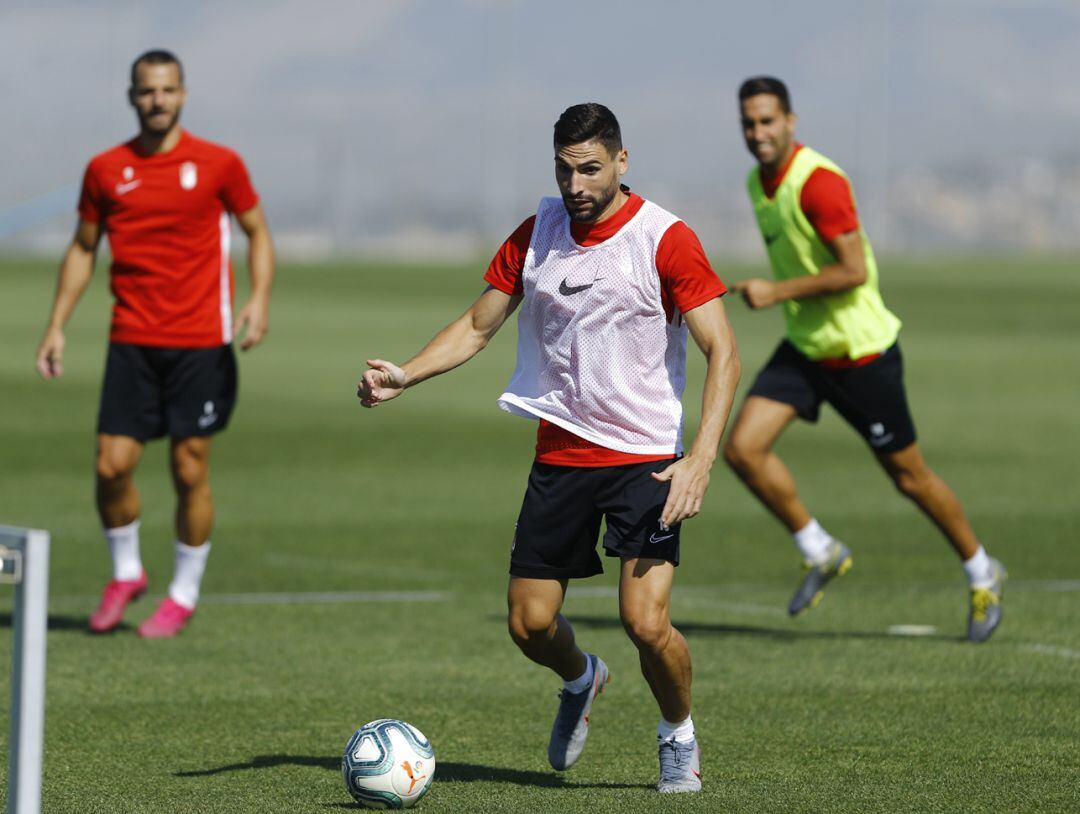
(189,175)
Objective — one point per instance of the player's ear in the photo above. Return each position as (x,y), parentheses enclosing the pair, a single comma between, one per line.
(131,96)
(623,161)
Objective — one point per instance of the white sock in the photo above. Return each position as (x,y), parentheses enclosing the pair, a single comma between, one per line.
(187,573)
(683,732)
(813,542)
(978,570)
(582,682)
(124,548)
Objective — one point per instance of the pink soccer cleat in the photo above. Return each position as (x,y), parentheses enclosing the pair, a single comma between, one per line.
(117,595)
(168,620)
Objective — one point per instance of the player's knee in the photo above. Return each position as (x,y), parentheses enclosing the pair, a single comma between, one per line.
(112,467)
(190,471)
(909,483)
(738,455)
(648,629)
(528,622)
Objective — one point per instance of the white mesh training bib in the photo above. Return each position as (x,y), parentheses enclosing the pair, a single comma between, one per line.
(595,354)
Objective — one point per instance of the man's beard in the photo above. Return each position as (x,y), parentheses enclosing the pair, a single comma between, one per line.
(592,212)
(157,130)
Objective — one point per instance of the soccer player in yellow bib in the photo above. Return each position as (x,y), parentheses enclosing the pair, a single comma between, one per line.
(841,348)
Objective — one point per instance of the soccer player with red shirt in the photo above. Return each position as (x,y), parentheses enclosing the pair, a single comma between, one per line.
(164,199)
(609,285)
(841,348)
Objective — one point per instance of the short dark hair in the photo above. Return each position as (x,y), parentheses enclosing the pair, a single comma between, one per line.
(158,56)
(586,122)
(756,85)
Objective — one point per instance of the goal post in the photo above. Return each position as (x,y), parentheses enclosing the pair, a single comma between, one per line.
(24,557)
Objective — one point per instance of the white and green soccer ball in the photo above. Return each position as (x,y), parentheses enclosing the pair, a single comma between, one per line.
(388,764)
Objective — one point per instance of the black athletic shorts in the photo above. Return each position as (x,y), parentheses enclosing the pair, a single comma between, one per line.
(871,397)
(179,392)
(560,519)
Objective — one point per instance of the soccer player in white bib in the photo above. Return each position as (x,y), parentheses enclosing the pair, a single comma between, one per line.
(609,285)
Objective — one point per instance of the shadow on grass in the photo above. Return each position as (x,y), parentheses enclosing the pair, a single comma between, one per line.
(57,622)
(780,634)
(471,773)
(268,762)
(444,773)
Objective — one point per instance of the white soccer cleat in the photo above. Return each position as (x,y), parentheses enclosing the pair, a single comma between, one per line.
(572,721)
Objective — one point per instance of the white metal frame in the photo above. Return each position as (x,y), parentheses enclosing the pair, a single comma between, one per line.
(24,554)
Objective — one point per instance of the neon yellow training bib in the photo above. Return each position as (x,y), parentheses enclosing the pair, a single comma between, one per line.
(850,324)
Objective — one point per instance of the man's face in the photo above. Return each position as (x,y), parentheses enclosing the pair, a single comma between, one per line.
(767,129)
(158,96)
(588,177)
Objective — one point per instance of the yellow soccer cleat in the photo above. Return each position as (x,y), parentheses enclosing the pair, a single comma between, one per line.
(985,613)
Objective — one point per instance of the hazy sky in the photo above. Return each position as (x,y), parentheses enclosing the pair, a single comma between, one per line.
(362,119)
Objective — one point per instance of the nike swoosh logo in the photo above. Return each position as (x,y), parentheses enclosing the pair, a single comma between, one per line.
(654,539)
(123,189)
(567,290)
(770,239)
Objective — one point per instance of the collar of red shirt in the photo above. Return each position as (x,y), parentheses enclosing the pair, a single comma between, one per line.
(770,185)
(589,234)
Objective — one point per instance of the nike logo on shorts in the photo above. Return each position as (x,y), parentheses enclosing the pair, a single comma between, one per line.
(661,539)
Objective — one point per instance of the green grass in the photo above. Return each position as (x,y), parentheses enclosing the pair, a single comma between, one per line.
(248,710)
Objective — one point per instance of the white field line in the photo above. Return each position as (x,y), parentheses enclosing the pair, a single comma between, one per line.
(684,596)
(593,591)
(295,598)
(326,597)
(1051,650)
(695,595)
(750,609)
(1064,585)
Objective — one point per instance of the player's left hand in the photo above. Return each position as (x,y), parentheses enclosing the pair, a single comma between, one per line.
(756,292)
(689,478)
(255,317)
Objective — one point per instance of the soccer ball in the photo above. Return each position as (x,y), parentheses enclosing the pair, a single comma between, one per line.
(388,764)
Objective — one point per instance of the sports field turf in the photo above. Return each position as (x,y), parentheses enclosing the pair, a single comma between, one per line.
(248,711)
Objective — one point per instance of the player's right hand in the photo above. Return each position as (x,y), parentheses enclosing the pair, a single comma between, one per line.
(381,382)
(756,292)
(50,355)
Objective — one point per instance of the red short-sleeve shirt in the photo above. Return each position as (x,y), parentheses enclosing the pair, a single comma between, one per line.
(686,281)
(167,219)
(825,199)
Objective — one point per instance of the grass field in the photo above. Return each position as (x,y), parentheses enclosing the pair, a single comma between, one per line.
(248,711)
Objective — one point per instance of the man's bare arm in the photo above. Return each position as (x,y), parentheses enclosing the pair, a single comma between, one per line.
(255,315)
(848,272)
(689,476)
(454,345)
(76,269)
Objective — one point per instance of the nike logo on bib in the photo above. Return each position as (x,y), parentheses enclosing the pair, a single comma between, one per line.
(567,290)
